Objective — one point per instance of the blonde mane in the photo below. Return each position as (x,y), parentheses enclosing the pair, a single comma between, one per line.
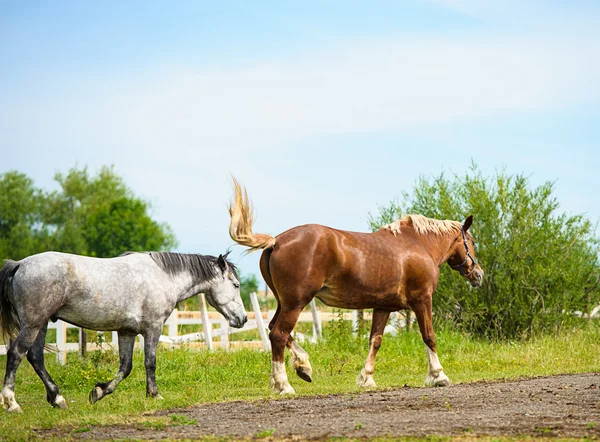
(422,225)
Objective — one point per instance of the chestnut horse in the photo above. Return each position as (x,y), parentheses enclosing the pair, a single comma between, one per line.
(394,268)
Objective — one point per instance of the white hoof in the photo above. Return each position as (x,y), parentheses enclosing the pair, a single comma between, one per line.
(14,408)
(287,389)
(281,387)
(7,399)
(441,380)
(365,381)
(59,402)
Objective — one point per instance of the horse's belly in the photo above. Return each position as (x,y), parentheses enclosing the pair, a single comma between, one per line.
(101,319)
(354,300)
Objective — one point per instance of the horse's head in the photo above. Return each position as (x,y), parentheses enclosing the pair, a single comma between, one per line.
(224,293)
(463,257)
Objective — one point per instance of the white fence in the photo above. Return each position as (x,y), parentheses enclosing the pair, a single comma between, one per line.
(257,320)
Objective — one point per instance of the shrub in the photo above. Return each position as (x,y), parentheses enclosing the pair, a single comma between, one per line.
(541,265)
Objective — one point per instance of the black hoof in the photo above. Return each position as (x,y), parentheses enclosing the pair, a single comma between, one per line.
(304,374)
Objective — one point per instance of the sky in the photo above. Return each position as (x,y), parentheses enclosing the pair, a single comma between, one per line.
(324,110)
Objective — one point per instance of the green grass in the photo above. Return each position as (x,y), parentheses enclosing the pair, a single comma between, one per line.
(188,377)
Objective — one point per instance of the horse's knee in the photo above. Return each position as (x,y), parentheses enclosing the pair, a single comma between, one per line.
(429,342)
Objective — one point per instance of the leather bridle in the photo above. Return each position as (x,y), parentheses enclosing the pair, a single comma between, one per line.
(460,266)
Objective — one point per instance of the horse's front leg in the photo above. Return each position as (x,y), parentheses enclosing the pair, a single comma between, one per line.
(151,338)
(126,343)
(279,336)
(435,374)
(380,318)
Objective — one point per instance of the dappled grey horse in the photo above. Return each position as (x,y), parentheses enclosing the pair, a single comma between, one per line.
(132,294)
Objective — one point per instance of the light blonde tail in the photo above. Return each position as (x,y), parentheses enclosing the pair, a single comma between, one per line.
(240,226)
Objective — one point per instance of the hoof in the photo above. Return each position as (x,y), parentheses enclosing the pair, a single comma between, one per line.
(365,381)
(288,389)
(304,373)
(441,380)
(156,396)
(59,402)
(95,395)
(14,408)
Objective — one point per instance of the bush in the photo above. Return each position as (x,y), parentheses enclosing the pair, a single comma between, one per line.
(541,266)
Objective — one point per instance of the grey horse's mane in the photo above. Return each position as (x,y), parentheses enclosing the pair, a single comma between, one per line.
(201,267)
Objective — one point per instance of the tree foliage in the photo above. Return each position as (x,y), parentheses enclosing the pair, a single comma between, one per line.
(541,265)
(89,215)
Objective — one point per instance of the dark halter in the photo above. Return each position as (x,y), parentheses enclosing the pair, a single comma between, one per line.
(467,256)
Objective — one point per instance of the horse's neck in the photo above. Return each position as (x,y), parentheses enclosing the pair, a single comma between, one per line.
(186,287)
(439,245)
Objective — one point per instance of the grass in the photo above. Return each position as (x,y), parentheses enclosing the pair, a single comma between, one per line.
(188,377)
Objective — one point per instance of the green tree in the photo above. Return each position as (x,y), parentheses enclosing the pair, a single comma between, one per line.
(541,266)
(20,215)
(89,215)
(100,216)
(248,284)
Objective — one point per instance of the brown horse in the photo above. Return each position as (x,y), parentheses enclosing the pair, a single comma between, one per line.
(392,269)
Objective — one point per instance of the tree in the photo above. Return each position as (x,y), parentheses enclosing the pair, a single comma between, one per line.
(100,216)
(541,266)
(248,284)
(19,215)
(90,215)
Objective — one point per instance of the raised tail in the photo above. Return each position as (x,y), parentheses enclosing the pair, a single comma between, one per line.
(240,226)
(9,321)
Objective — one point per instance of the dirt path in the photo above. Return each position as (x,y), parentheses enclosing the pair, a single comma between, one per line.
(566,405)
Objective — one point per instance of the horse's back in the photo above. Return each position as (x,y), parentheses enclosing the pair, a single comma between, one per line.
(343,268)
(85,290)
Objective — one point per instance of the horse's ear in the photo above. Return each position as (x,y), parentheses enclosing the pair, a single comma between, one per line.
(468,223)
(222,263)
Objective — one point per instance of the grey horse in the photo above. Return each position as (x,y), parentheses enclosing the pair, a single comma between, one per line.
(133,294)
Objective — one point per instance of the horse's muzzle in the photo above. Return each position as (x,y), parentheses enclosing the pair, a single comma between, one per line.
(476,278)
(238,322)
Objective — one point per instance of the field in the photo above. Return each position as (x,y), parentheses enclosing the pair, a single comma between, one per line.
(240,378)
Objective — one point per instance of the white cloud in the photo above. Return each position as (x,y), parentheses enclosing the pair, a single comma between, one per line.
(392,85)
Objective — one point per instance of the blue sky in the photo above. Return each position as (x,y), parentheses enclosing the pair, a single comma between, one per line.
(324,110)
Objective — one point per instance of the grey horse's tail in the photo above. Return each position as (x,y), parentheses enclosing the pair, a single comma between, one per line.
(9,321)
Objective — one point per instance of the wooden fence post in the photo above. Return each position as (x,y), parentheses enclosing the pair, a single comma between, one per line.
(317,326)
(206,324)
(172,323)
(82,342)
(61,342)
(260,324)
(225,330)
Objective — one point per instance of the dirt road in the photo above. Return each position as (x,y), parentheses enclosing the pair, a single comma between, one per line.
(566,405)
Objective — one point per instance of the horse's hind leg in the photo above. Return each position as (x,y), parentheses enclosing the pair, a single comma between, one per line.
(35,356)
(279,336)
(126,342)
(380,318)
(17,350)
(435,374)
(300,360)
